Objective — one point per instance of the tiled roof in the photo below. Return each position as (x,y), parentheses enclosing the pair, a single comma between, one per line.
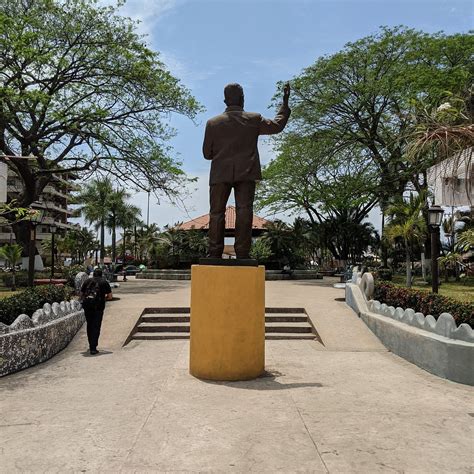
(202,222)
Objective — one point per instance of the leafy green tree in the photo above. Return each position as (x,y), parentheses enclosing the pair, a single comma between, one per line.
(310,176)
(80,92)
(12,254)
(406,223)
(363,96)
(347,239)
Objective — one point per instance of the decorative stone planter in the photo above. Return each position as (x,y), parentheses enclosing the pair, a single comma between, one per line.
(438,346)
(29,341)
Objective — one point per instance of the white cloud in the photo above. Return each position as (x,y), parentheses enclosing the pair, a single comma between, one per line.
(146,12)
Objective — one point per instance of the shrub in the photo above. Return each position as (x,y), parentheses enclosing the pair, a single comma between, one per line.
(69,273)
(424,302)
(21,278)
(383,273)
(31,299)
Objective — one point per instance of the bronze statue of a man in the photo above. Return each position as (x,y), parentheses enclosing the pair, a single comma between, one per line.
(230,141)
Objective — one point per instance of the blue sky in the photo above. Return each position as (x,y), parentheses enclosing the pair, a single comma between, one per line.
(208,43)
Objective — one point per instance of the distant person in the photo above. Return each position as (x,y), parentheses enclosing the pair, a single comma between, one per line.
(94,292)
(230,141)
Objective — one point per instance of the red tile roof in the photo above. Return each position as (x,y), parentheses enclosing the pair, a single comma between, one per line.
(202,222)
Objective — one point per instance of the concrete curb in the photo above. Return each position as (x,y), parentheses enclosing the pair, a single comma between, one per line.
(29,341)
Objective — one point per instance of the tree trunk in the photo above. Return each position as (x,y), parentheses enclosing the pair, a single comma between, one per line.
(13,279)
(22,235)
(114,238)
(102,242)
(383,244)
(408,264)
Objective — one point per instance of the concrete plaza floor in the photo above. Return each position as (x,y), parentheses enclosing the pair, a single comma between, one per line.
(346,406)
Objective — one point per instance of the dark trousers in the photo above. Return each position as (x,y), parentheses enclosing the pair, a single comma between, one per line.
(94,322)
(244,192)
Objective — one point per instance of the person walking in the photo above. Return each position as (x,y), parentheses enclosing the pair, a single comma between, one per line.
(230,142)
(95,292)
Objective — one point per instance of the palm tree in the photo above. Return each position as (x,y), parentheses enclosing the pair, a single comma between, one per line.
(116,204)
(95,207)
(406,223)
(451,260)
(147,237)
(12,254)
(127,217)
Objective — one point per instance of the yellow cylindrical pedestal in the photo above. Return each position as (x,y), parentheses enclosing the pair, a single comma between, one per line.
(227,322)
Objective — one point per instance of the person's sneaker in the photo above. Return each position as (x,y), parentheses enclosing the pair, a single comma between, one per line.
(94,351)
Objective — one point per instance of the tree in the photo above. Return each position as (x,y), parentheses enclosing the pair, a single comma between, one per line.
(117,207)
(260,250)
(78,243)
(406,223)
(363,95)
(12,254)
(81,93)
(450,261)
(346,238)
(127,217)
(366,94)
(312,177)
(94,202)
(147,237)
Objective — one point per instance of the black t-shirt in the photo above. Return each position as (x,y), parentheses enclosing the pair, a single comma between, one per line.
(104,289)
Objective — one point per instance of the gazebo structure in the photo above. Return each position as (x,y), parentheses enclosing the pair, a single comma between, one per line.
(202,223)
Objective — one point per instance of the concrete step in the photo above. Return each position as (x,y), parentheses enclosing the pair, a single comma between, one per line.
(184,327)
(152,336)
(165,318)
(163,327)
(288,328)
(285,318)
(146,336)
(269,318)
(290,336)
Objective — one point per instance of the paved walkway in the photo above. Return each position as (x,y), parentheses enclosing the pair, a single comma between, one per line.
(347,406)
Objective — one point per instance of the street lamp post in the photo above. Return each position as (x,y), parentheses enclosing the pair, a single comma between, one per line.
(53,229)
(35,219)
(435,217)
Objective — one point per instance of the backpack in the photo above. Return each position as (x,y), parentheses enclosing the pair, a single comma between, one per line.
(91,295)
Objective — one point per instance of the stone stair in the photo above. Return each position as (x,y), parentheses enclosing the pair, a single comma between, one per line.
(174,323)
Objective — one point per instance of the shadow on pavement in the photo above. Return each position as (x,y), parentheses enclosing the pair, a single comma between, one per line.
(267,381)
(100,353)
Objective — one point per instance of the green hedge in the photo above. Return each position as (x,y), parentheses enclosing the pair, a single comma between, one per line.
(424,302)
(31,299)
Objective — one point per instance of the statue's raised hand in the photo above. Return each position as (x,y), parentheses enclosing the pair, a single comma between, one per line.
(286,93)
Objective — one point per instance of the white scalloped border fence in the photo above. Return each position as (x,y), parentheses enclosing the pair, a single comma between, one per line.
(29,341)
(445,325)
(438,346)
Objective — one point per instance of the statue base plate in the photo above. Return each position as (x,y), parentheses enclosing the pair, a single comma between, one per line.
(229,262)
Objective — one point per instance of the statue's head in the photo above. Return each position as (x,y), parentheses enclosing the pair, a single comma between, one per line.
(234,94)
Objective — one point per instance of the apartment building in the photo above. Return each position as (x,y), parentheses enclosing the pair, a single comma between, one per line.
(54,202)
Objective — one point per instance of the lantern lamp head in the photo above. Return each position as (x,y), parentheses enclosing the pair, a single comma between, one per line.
(435,216)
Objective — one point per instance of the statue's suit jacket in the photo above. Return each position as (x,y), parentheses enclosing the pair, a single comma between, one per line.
(230,141)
